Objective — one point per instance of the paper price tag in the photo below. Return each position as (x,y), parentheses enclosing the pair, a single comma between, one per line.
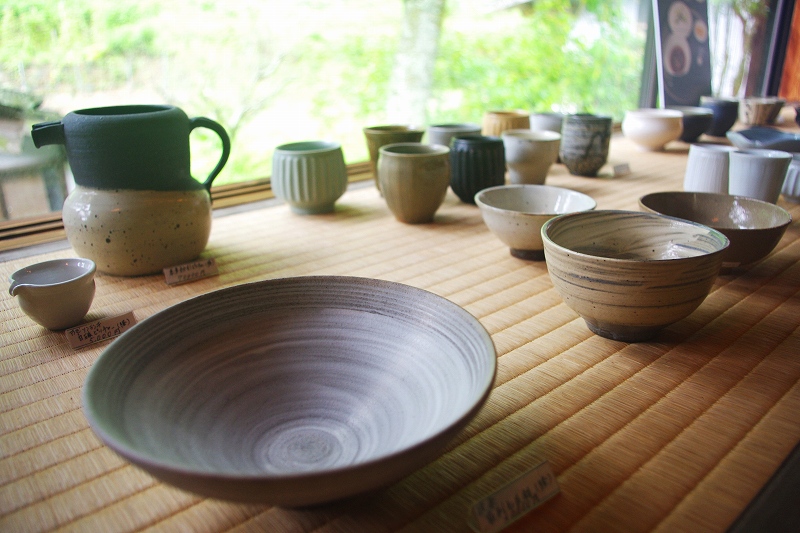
(514,500)
(99,330)
(203,268)
(621,169)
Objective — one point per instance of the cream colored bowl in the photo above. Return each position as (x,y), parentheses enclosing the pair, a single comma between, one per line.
(630,274)
(516,213)
(652,129)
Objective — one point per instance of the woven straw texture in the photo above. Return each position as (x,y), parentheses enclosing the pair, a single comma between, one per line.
(678,434)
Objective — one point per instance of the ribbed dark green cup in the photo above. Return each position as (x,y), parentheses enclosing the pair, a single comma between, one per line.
(477,162)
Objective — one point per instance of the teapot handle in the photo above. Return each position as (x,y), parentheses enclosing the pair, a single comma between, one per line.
(203,122)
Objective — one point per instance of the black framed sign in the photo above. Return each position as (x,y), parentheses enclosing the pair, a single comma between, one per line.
(683,55)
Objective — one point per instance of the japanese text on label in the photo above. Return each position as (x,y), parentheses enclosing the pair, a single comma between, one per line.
(99,330)
(511,502)
(187,272)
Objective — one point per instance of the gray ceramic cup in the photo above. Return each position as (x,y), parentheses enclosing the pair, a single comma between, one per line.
(413,178)
(530,154)
(444,133)
(585,140)
(547,121)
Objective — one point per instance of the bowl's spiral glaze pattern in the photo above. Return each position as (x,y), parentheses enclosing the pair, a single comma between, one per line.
(629,274)
(292,391)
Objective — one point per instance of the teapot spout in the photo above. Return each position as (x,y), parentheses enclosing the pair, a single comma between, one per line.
(46,133)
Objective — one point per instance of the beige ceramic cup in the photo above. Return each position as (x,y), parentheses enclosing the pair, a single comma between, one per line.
(496,122)
(530,154)
(414,178)
(378,136)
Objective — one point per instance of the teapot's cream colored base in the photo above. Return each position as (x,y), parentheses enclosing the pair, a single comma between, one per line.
(133,233)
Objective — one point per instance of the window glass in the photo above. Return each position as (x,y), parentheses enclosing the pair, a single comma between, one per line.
(274,72)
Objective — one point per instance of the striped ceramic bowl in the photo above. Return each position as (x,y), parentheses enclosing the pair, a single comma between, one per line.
(630,274)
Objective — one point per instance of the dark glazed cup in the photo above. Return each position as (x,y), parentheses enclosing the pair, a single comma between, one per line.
(477,162)
(726,112)
(696,120)
(140,147)
(584,143)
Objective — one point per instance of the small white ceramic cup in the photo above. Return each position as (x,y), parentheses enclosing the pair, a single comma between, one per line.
(443,133)
(758,173)
(56,294)
(530,154)
(791,186)
(707,168)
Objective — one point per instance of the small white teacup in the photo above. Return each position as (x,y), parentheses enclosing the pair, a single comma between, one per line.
(56,294)
(758,173)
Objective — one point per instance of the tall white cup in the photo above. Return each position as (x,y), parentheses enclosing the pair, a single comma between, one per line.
(707,168)
(758,173)
(529,154)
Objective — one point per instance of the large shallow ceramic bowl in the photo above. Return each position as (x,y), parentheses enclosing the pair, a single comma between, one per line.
(753,227)
(766,138)
(630,274)
(516,213)
(291,391)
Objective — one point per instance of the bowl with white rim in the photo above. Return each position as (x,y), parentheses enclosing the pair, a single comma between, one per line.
(515,214)
(292,392)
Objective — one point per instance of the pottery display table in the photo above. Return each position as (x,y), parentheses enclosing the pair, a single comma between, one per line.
(677,434)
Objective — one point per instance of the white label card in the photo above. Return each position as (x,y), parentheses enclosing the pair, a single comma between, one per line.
(514,500)
(621,169)
(99,330)
(203,268)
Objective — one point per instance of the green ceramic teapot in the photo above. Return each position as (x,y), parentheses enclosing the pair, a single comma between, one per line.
(141,147)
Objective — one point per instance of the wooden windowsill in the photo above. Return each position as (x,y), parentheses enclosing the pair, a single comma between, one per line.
(18,234)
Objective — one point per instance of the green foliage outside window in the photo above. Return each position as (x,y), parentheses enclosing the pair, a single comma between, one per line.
(218,59)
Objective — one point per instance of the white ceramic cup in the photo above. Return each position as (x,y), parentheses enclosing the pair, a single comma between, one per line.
(791,186)
(529,154)
(56,294)
(758,173)
(707,168)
